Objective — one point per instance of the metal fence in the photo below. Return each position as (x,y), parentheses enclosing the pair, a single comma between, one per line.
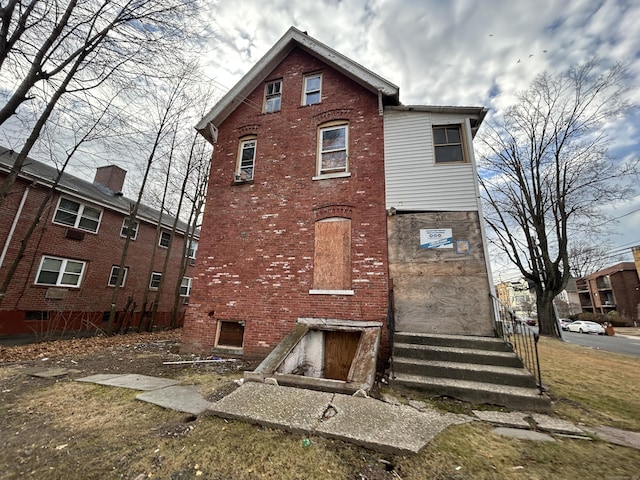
(520,337)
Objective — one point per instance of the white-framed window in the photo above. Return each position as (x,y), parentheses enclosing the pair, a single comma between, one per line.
(272,96)
(60,272)
(113,276)
(77,215)
(165,239)
(246,160)
(192,248)
(185,287)
(129,224)
(448,144)
(154,284)
(333,144)
(312,89)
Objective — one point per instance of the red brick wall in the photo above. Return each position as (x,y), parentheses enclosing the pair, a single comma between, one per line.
(626,289)
(101,251)
(255,260)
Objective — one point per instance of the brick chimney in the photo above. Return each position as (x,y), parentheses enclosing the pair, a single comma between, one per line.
(110,176)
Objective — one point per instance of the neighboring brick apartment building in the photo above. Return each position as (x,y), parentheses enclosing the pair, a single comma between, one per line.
(295,223)
(68,273)
(612,289)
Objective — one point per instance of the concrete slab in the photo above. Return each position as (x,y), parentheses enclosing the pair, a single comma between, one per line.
(555,425)
(133,381)
(522,434)
(362,421)
(180,398)
(53,372)
(294,409)
(616,436)
(384,427)
(503,419)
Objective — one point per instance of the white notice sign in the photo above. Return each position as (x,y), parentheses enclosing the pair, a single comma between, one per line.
(436,238)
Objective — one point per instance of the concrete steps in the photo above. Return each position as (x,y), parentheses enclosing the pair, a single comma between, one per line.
(474,369)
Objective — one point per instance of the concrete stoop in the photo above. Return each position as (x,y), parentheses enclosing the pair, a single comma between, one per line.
(480,370)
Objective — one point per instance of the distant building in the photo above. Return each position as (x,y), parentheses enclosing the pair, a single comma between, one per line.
(517,295)
(65,280)
(613,292)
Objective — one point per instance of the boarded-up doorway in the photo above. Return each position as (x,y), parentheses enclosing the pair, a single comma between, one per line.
(339,352)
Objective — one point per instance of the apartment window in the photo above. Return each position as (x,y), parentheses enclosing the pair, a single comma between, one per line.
(154,284)
(447,142)
(192,248)
(113,276)
(77,215)
(312,89)
(165,239)
(185,287)
(60,272)
(332,255)
(246,160)
(332,149)
(129,226)
(272,96)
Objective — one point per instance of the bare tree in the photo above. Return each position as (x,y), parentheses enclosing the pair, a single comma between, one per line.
(61,47)
(546,170)
(586,257)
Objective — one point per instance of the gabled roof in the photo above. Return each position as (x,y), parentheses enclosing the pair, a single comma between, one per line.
(43,174)
(258,74)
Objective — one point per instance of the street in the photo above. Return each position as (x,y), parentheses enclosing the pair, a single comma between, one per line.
(616,344)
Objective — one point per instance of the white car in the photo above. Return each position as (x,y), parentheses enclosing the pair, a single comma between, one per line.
(581,326)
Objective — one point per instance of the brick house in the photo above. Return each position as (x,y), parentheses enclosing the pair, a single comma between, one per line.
(317,193)
(67,276)
(614,292)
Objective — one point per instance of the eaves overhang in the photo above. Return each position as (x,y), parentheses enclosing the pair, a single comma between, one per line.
(476,115)
(294,38)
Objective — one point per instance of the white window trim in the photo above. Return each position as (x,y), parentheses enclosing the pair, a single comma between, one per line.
(238,174)
(331,292)
(155,274)
(306,91)
(137,227)
(465,156)
(160,239)
(79,215)
(189,285)
(268,96)
(124,276)
(61,272)
(332,174)
(194,250)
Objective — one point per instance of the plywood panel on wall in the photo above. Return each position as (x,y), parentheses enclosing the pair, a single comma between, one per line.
(439,290)
(332,259)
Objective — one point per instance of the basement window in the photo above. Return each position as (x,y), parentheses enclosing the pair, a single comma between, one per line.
(230,334)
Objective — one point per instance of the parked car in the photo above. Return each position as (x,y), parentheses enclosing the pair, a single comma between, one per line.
(582,326)
(564,323)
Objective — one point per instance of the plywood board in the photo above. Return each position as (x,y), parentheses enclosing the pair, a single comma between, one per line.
(332,255)
(339,351)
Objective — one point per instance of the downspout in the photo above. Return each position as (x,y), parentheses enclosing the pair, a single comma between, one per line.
(483,234)
(16,218)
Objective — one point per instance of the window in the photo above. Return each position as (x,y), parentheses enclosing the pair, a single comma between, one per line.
(129,224)
(332,256)
(447,142)
(165,239)
(60,272)
(77,215)
(246,160)
(185,287)
(192,248)
(154,284)
(113,276)
(272,96)
(312,89)
(332,149)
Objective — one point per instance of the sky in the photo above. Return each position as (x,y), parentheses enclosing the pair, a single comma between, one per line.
(441,52)
(459,52)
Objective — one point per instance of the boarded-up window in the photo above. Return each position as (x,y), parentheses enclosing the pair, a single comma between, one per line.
(231,334)
(332,259)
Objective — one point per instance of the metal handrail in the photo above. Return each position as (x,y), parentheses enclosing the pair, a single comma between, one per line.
(520,337)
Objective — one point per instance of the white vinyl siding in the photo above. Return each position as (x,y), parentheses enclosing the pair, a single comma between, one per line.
(414,182)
